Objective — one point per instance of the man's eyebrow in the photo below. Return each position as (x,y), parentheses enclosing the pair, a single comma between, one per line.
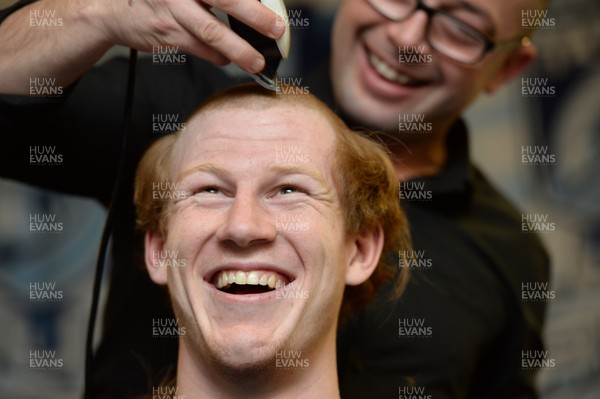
(205,167)
(283,170)
(301,170)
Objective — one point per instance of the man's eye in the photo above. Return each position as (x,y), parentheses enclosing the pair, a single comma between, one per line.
(209,190)
(288,190)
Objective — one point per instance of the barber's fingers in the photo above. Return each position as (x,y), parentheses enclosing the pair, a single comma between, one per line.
(213,39)
(189,25)
(252,13)
(204,51)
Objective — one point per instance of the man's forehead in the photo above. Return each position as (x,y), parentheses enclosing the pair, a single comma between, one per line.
(301,125)
(484,5)
(281,131)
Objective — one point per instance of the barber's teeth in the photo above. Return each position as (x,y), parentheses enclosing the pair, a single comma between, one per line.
(254,277)
(387,71)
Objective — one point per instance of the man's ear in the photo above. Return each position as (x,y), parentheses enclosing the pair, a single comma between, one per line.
(514,64)
(153,246)
(367,251)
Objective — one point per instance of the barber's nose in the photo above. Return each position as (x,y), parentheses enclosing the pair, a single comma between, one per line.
(411,31)
(246,223)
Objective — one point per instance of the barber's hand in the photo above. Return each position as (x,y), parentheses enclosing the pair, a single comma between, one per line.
(189,24)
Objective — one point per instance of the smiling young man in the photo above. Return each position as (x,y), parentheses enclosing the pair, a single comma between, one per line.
(472,46)
(253,288)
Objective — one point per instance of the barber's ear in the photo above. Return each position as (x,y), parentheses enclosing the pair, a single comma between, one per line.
(367,251)
(513,65)
(153,247)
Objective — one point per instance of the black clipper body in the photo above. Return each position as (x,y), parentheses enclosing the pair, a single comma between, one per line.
(273,50)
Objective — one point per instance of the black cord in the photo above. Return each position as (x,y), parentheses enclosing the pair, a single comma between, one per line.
(108,225)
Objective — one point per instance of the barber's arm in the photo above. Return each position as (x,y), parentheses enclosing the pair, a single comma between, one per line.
(85,29)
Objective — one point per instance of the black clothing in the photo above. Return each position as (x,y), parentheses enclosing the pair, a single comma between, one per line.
(474,325)
(463,297)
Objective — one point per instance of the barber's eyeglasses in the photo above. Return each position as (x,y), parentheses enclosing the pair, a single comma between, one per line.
(445,33)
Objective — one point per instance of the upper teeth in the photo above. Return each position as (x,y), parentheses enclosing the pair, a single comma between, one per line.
(254,277)
(386,70)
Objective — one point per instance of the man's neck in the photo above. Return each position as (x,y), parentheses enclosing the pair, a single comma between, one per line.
(314,377)
(415,157)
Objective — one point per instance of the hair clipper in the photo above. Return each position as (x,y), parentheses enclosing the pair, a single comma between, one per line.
(273,50)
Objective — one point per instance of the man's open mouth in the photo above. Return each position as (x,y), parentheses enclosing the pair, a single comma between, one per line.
(240,282)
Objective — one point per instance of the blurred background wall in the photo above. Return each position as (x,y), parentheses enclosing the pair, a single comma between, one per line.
(567,190)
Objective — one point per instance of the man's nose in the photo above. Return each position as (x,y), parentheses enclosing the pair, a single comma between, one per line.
(247,223)
(411,31)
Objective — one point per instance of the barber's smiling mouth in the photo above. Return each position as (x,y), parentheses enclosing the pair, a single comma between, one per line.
(392,74)
(245,282)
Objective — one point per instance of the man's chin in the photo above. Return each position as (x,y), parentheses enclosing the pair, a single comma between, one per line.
(379,117)
(364,106)
(361,109)
(249,363)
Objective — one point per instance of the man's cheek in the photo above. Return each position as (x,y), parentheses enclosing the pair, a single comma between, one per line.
(179,279)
